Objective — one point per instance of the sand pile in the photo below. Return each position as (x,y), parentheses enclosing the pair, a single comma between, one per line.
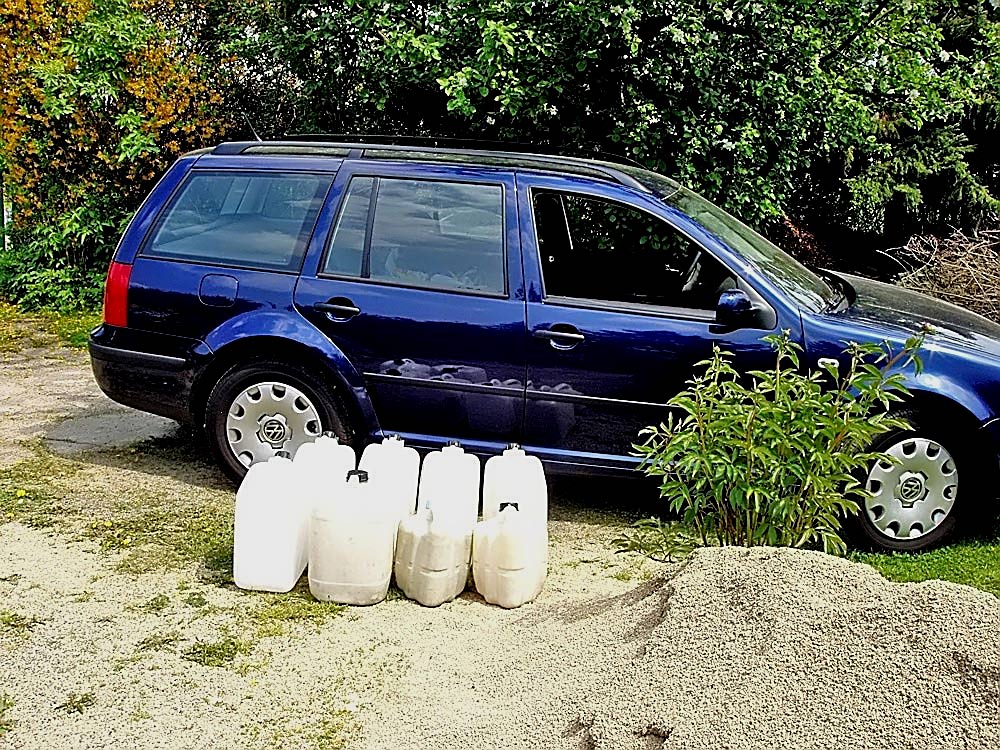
(777,648)
(737,648)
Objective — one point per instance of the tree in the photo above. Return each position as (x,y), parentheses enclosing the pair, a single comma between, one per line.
(96,97)
(773,107)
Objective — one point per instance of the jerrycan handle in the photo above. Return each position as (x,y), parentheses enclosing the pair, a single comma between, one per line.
(282,454)
(454,444)
(508,505)
(330,434)
(361,474)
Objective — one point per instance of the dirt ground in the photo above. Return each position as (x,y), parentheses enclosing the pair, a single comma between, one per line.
(120,627)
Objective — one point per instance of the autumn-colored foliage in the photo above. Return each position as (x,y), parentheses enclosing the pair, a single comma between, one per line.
(96,98)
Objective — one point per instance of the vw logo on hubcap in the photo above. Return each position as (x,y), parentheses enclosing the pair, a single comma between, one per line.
(911,489)
(273,431)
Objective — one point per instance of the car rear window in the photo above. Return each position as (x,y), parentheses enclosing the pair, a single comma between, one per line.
(249,220)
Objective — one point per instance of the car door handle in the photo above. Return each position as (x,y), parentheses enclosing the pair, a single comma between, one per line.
(339,308)
(560,338)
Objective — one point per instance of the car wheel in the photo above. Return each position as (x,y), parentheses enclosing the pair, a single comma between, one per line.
(914,503)
(259,408)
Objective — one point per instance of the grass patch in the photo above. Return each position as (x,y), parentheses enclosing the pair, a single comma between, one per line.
(196,599)
(155,606)
(6,723)
(296,606)
(26,488)
(17,623)
(156,530)
(160,535)
(76,703)
(220,653)
(394,593)
(23,330)
(158,642)
(973,564)
(332,732)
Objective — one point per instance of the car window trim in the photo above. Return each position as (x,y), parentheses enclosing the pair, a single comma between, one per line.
(377,178)
(366,248)
(689,313)
(634,308)
(154,226)
(216,264)
(416,287)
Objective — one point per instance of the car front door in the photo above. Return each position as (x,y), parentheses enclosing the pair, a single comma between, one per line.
(621,308)
(420,285)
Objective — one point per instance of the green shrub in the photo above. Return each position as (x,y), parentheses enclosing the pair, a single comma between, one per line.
(772,459)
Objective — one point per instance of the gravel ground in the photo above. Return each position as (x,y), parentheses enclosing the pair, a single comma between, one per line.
(731,649)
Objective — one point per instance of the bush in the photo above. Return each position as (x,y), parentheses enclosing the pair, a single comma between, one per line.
(97,97)
(775,462)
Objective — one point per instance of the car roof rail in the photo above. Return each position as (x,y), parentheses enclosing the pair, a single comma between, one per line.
(466,144)
(489,153)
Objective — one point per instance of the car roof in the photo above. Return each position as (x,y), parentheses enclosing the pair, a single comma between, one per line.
(606,168)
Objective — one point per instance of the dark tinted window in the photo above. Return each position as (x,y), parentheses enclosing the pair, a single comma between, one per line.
(596,249)
(254,220)
(438,234)
(347,243)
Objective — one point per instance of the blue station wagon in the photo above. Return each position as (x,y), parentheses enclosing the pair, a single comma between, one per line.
(270,291)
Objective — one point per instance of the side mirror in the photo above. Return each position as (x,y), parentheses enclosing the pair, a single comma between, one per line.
(734,309)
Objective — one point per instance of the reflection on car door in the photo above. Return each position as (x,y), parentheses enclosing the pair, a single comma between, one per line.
(421,287)
(624,311)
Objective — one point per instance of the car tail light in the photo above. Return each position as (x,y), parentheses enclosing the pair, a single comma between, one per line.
(116,294)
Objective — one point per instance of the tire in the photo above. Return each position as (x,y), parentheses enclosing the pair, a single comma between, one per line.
(916,504)
(262,406)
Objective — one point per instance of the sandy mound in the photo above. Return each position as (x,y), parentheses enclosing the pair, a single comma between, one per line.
(778,648)
(740,648)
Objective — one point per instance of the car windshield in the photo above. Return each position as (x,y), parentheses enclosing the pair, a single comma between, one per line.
(803,285)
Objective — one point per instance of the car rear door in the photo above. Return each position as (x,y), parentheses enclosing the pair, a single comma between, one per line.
(621,307)
(420,285)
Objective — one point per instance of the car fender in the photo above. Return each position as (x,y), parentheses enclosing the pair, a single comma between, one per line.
(944,388)
(291,329)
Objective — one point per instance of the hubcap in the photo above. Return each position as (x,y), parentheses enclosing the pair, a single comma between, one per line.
(268,417)
(915,494)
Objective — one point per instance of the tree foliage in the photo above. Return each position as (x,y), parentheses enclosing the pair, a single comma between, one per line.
(861,109)
(845,119)
(96,97)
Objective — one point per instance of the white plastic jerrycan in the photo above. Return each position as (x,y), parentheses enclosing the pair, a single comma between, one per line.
(515,477)
(509,557)
(350,545)
(432,558)
(270,533)
(320,467)
(393,470)
(449,485)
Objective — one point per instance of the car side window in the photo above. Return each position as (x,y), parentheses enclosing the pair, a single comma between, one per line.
(249,220)
(596,249)
(423,233)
